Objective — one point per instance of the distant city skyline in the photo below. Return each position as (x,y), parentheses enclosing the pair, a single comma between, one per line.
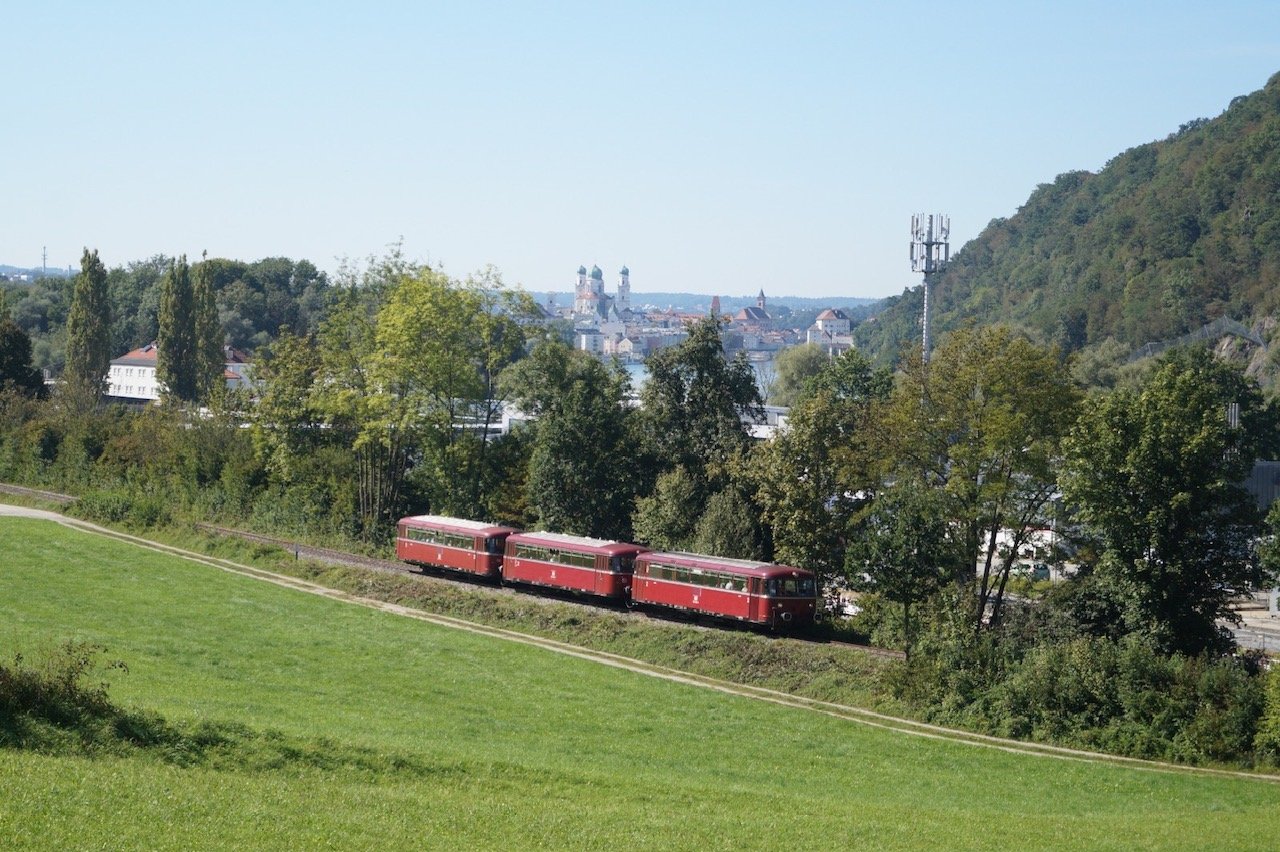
(712,148)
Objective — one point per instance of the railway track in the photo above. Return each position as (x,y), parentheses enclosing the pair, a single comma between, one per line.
(338,557)
(307,551)
(37,494)
(387,566)
(870,718)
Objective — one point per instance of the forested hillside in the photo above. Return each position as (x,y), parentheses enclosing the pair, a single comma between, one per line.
(1169,236)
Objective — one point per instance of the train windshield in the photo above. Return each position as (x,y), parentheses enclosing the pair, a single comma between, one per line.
(622,564)
(493,545)
(790,587)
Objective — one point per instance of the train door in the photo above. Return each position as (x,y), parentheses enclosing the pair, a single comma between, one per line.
(758,606)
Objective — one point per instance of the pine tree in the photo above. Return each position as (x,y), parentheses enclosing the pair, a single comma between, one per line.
(88,332)
(208,335)
(176,342)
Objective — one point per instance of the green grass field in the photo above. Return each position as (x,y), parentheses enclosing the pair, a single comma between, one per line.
(470,742)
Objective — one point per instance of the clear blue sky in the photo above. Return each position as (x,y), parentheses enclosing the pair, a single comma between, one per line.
(711,147)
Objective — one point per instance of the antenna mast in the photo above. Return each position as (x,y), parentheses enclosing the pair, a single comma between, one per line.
(930,253)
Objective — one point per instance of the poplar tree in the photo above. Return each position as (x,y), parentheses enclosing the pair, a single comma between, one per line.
(176,341)
(209,361)
(88,332)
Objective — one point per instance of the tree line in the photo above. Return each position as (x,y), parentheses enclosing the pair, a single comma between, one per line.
(254,301)
(922,487)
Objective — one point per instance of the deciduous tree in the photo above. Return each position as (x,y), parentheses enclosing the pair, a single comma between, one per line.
(814,475)
(1156,474)
(582,472)
(440,347)
(16,372)
(903,543)
(693,408)
(696,398)
(983,420)
(795,367)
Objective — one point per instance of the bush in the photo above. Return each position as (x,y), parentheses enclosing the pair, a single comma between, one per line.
(41,700)
(1127,698)
(1267,740)
(123,505)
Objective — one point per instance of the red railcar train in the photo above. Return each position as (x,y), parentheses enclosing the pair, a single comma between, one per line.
(756,592)
(455,543)
(591,565)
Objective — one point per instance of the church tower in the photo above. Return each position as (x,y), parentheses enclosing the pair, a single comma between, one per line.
(760,300)
(624,290)
(582,302)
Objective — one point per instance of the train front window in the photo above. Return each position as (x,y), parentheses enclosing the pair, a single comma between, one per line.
(622,564)
(790,587)
(493,545)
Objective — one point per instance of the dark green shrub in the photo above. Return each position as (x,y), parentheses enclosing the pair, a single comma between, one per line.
(124,505)
(39,698)
(1267,740)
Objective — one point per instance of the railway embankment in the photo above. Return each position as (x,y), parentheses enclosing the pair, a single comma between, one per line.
(811,668)
(819,678)
(847,675)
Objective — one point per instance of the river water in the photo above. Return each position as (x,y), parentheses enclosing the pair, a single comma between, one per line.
(763,370)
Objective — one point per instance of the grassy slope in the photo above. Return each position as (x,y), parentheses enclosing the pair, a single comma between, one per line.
(509,745)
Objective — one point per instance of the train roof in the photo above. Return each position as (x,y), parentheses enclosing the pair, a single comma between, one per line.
(441,522)
(578,542)
(750,567)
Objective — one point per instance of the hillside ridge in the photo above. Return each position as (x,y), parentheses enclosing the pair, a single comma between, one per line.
(1166,238)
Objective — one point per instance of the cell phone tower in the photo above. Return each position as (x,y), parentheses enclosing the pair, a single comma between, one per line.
(930,253)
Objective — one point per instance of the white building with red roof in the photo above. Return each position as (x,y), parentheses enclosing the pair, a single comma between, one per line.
(832,330)
(131,378)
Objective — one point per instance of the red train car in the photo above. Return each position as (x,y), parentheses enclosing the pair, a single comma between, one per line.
(590,565)
(457,543)
(755,592)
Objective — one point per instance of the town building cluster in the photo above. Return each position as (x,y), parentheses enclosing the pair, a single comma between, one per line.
(605,324)
(609,326)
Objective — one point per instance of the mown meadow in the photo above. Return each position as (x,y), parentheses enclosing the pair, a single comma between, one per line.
(348,727)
